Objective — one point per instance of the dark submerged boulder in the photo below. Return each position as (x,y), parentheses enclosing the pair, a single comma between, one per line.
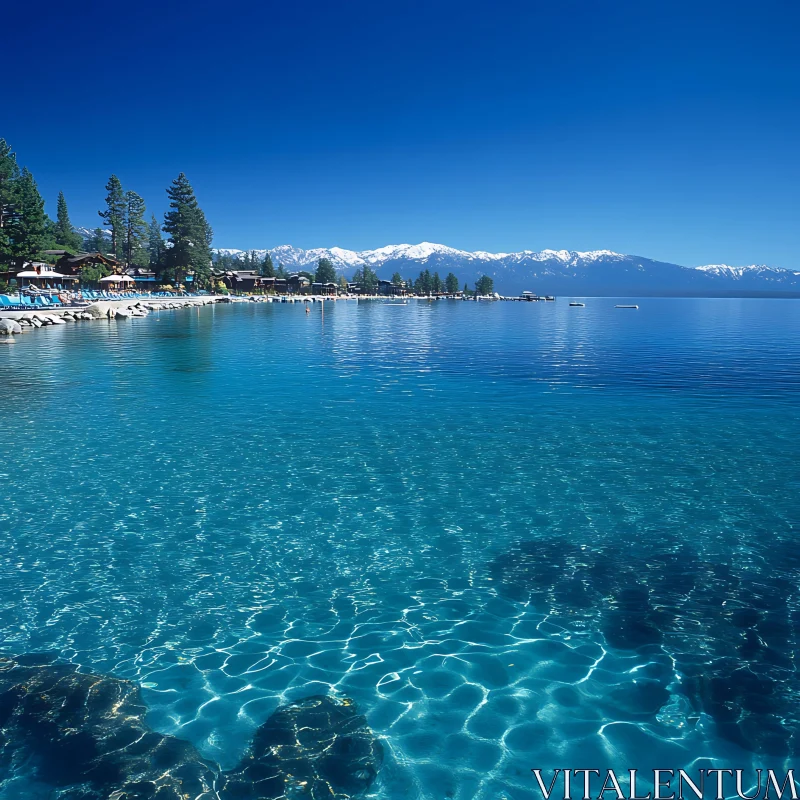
(318,746)
(89,730)
(86,735)
(632,594)
(732,630)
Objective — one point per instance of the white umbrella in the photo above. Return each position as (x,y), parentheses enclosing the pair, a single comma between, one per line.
(117,279)
(45,273)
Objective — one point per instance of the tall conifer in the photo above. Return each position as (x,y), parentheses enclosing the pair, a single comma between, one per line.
(63,231)
(114,215)
(135,231)
(326,272)
(98,242)
(267,268)
(26,236)
(190,235)
(9,176)
(155,245)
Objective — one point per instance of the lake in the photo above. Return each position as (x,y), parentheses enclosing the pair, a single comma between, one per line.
(516,535)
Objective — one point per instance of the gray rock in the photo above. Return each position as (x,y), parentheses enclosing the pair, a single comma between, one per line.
(122,313)
(8,327)
(98,310)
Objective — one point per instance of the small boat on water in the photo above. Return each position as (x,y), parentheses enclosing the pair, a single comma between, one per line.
(626,306)
(578,305)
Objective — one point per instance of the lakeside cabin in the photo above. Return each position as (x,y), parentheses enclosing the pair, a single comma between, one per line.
(297,283)
(242,280)
(39,275)
(70,263)
(327,289)
(248,280)
(277,285)
(391,289)
(144,277)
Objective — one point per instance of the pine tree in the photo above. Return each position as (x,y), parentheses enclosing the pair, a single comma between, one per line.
(114,215)
(451,283)
(98,242)
(224,262)
(396,279)
(424,284)
(436,284)
(27,235)
(136,231)
(366,278)
(50,237)
(370,280)
(281,271)
(9,177)
(155,245)
(190,235)
(9,172)
(63,232)
(484,285)
(326,272)
(267,268)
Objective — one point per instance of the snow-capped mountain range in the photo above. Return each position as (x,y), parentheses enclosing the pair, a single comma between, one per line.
(565,272)
(597,272)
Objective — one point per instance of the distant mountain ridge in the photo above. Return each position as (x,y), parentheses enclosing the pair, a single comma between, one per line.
(564,272)
(596,272)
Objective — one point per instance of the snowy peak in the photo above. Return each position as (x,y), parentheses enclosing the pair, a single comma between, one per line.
(557,272)
(737,273)
(88,233)
(573,272)
(297,258)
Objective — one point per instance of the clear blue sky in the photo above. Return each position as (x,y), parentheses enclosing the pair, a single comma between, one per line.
(665,129)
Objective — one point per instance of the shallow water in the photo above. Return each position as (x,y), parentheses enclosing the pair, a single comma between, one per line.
(243,505)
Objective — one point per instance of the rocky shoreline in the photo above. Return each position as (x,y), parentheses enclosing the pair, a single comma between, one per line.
(16,322)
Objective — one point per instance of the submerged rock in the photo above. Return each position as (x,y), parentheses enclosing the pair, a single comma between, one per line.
(731,633)
(86,735)
(319,746)
(632,595)
(89,730)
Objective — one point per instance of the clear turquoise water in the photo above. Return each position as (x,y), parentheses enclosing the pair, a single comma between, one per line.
(245,504)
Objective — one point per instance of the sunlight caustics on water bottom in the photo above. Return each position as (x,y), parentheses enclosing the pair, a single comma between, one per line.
(515,535)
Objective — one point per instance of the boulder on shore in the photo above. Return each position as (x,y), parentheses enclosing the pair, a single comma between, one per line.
(8,327)
(98,310)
